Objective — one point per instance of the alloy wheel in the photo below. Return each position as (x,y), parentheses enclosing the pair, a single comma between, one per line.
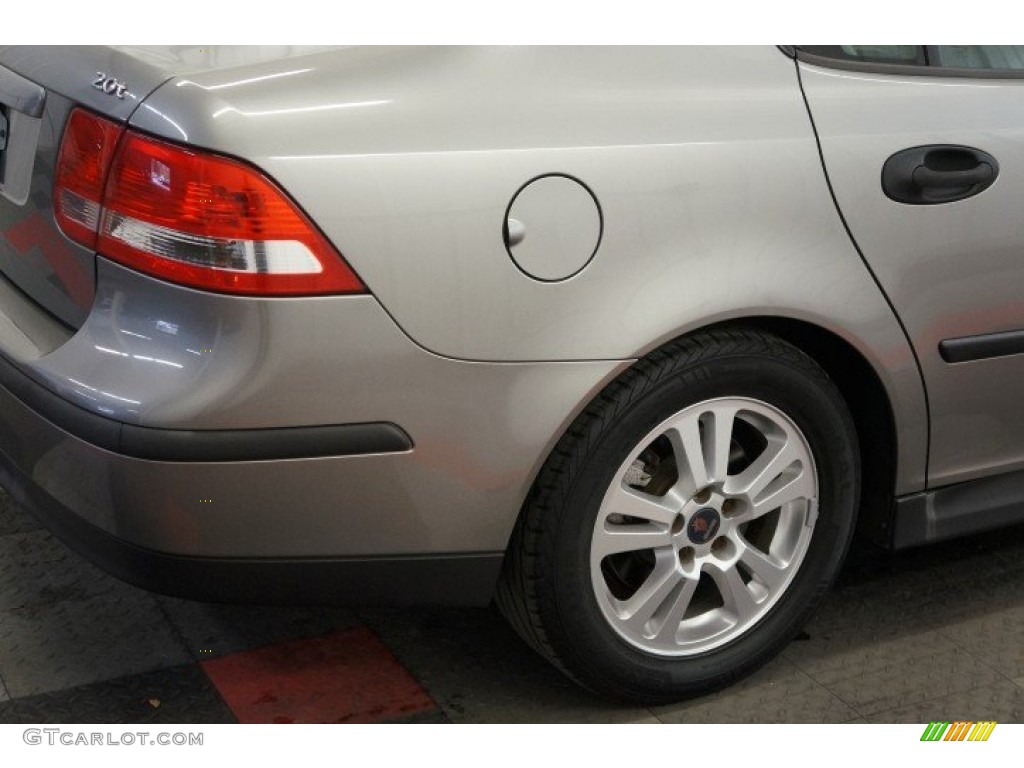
(704,526)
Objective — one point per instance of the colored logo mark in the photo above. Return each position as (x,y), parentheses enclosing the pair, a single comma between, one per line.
(959,731)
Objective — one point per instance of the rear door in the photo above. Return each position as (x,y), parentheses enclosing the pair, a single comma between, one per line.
(924,149)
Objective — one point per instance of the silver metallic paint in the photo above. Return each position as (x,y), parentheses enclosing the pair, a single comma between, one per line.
(53,270)
(409,157)
(480,429)
(951,270)
(715,207)
(69,70)
(559,227)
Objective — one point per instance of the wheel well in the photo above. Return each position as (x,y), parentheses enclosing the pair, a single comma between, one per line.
(869,405)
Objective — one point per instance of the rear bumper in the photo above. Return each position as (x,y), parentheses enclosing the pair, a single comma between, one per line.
(30,409)
(187,445)
(177,439)
(458,579)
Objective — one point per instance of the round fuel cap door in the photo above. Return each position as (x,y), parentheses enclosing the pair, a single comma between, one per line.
(553,227)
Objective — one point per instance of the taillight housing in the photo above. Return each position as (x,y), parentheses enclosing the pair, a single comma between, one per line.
(189,216)
(85,154)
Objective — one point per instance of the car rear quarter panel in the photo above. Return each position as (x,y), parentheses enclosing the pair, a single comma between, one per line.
(190,359)
(703,161)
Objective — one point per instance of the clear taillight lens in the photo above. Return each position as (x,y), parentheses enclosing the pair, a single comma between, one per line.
(202,220)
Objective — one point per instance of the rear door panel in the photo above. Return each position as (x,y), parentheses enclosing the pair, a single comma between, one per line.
(951,270)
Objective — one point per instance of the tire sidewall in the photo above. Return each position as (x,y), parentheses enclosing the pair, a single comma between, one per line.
(806,397)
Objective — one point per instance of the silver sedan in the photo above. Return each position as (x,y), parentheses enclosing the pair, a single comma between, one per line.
(630,341)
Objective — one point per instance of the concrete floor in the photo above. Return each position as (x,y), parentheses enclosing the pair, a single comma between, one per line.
(930,634)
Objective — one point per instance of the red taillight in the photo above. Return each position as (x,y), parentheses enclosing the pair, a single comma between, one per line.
(85,153)
(205,221)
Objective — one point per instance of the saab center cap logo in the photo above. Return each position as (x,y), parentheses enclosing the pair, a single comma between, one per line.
(703,525)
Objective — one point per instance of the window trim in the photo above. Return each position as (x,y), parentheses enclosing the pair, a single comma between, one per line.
(914,70)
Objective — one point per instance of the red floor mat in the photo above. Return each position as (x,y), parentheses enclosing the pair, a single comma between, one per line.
(344,677)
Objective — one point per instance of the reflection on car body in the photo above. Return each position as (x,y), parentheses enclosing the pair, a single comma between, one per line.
(633,359)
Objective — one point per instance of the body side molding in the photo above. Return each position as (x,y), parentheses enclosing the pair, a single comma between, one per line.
(959,510)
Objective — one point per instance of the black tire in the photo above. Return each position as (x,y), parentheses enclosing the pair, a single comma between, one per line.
(546,590)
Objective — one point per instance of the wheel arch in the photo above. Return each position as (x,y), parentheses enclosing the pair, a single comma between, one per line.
(869,403)
(858,382)
(548,573)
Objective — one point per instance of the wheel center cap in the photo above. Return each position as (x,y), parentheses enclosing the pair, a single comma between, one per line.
(703,525)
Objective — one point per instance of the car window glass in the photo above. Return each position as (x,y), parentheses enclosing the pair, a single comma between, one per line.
(881,54)
(980,56)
